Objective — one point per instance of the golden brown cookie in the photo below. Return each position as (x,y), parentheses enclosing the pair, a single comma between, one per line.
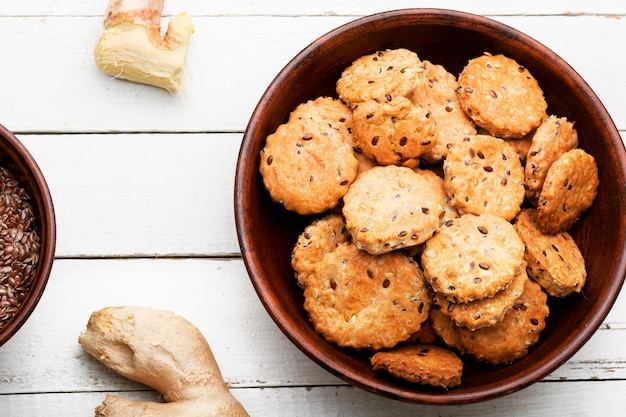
(436,91)
(511,338)
(326,111)
(483,175)
(320,237)
(445,328)
(449,210)
(390,207)
(393,131)
(569,189)
(554,261)
(521,146)
(486,312)
(359,300)
(554,137)
(307,164)
(473,258)
(421,364)
(393,71)
(501,95)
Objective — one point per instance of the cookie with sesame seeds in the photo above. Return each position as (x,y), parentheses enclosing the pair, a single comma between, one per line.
(521,146)
(326,111)
(483,174)
(318,238)
(392,131)
(436,91)
(449,210)
(391,207)
(487,311)
(307,165)
(445,328)
(501,95)
(554,260)
(512,337)
(570,187)
(392,71)
(420,364)
(554,137)
(472,258)
(365,301)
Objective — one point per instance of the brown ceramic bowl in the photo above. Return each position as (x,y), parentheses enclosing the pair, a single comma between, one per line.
(267,233)
(15,158)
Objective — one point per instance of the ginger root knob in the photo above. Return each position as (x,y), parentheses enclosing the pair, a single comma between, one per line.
(131,47)
(163,351)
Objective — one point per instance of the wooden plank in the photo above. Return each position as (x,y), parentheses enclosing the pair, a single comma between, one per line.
(232,319)
(320,7)
(49,71)
(140,195)
(599,398)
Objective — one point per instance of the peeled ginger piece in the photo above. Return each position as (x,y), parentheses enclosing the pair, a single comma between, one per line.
(131,47)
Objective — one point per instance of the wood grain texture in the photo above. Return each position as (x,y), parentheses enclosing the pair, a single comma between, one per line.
(143,180)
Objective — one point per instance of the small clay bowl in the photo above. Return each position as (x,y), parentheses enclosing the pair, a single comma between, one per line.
(267,233)
(15,158)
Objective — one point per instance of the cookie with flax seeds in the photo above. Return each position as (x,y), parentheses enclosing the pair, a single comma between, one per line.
(393,131)
(359,300)
(570,187)
(326,110)
(512,337)
(501,96)
(436,91)
(473,258)
(420,364)
(449,210)
(306,164)
(391,207)
(320,237)
(392,71)
(483,174)
(554,260)
(487,311)
(554,137)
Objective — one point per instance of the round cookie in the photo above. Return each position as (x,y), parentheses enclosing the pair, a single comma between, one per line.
(501,96)
(486,312)
(507,340)
(449,210)
(484,175)
(511,338)
(473,258)
(307,165)
(421,364)
(393,71)
(359,300)
(570,187)
(554,260)
(326,111)
(320,237)
(436,91)
(393,131)
(553,138)
(390,207)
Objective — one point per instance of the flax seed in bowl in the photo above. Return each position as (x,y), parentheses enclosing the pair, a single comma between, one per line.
(27,234)
(267,232)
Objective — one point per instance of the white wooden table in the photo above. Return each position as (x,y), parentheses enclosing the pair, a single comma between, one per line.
(142,183)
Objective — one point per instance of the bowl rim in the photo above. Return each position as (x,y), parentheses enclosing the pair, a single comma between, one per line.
(47,233)
(289,327)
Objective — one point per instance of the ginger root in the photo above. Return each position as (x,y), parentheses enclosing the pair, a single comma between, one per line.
(163,351)
(131,47)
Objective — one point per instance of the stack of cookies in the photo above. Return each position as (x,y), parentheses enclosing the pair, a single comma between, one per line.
(441,208)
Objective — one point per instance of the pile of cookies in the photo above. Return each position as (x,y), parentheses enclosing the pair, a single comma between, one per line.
(441,208)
